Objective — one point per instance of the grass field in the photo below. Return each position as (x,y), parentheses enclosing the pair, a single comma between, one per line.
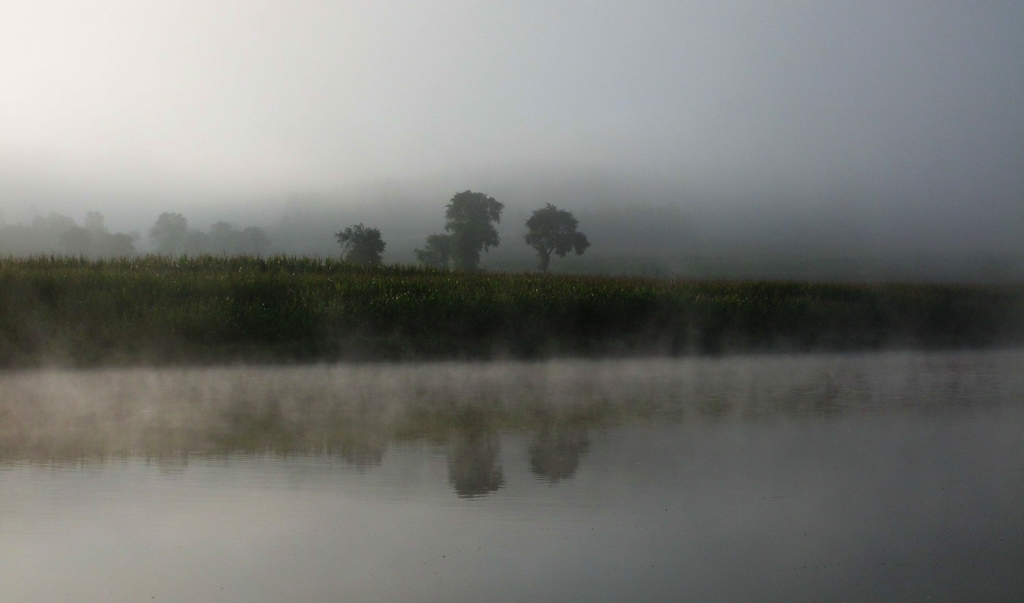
(209,310)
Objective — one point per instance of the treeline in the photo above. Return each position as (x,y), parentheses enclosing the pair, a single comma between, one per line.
(56,234)
(470,219)
(171,235)
(60,234)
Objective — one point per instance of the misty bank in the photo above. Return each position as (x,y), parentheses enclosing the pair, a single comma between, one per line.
(207,310)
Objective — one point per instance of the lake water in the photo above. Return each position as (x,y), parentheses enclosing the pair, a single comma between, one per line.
(862,477)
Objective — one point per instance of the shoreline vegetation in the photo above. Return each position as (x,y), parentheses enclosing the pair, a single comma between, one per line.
(61,311)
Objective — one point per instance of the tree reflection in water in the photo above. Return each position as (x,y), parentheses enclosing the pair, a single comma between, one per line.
(556,451)
(364,453)
(473,468)
(263,426)
(356,412)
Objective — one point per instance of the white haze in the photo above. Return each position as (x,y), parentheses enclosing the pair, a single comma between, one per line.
(853,126)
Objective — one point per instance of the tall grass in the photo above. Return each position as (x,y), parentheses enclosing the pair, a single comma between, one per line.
(214,309)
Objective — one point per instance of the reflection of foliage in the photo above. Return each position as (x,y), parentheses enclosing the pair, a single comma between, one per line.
(714,407)
(355,412)
(556,451)
(473,467)
(265,427)
(257,428)
(363,450)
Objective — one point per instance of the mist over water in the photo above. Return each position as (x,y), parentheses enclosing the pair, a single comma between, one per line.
(848,477)
(58,415)
(830,141)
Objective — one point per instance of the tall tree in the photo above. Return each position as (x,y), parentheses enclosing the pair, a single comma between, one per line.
(360,245)
(470,219)
(552,230)
(169,233)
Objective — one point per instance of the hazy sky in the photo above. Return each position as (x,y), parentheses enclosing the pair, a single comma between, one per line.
(719,100)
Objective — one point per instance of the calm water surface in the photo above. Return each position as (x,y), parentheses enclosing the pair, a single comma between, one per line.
(828,478)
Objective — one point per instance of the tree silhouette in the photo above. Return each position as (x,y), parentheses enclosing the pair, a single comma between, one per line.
(199,243)
(360,245)
(77,242)
(119,244)
(253,241)
(54,223)
(169,233)
(437,253)
(225,239)
(470,219)
(553,230)
(94,240)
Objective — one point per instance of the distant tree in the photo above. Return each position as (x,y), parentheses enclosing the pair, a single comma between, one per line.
(552,230)
(42,236)
(253,241)
(54,223)
(94,222)
(94,240)
(197,242)
(223,238)
(360,245)
(169,233)
(119,245)
(470,219)
(437,252)
(60,234)
(77,242)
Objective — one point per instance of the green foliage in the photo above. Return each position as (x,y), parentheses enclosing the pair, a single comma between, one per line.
(552,230)
(226,309)
(470,219)
(361,246)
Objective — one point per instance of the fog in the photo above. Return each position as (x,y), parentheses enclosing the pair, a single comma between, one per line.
(845,477)
(678,133)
